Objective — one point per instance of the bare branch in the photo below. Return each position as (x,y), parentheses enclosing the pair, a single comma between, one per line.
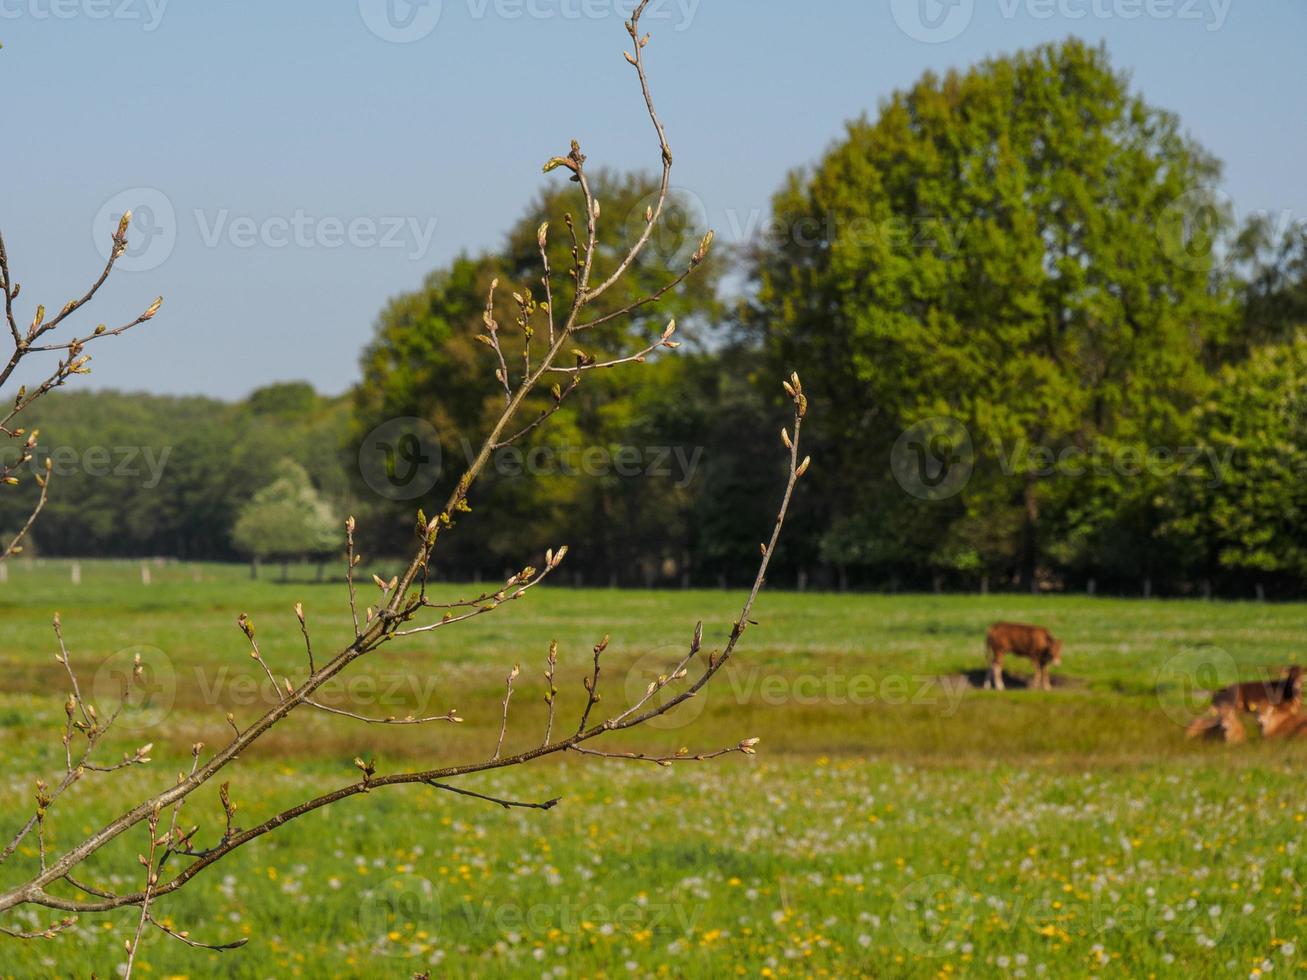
(184,937)
(683,755)
(506,804)
(508,695)
(304,630)
(15,544)
(75,363)
(591,685)
(551,692)
(451,715)
(151,879)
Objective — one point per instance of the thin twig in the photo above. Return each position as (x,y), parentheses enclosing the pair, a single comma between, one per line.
(508,696)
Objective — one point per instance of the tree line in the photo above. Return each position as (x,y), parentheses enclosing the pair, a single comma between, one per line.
(1041,349)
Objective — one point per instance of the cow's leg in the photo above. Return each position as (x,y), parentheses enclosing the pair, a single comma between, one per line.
(996,670)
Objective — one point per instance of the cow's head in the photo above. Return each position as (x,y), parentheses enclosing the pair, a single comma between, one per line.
(1056,649)
(1273,717)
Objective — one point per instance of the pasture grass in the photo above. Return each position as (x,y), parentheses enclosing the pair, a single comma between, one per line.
(891,825)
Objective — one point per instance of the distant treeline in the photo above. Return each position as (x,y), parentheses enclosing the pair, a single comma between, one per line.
(1041,350)
(146,475)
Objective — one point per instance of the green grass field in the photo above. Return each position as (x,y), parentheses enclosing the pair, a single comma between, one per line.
(891,825)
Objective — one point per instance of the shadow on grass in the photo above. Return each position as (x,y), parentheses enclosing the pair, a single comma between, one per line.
(976,680)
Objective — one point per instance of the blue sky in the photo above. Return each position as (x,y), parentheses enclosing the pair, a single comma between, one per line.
(298,161)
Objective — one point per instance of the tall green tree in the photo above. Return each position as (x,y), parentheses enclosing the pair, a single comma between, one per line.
(286,519)
(1013,247)
(1241,512)
(424,362)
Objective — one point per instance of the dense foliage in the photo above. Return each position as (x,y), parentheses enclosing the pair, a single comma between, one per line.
(138,474)
(286,519)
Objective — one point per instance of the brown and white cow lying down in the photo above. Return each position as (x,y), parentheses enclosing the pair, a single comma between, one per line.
(1282,716)
(1022,640)
(1282,720)
(1280,697)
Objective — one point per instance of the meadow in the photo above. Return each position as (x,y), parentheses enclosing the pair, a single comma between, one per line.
(896,821)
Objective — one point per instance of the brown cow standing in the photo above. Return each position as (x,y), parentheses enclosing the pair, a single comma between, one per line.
(1033,642)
